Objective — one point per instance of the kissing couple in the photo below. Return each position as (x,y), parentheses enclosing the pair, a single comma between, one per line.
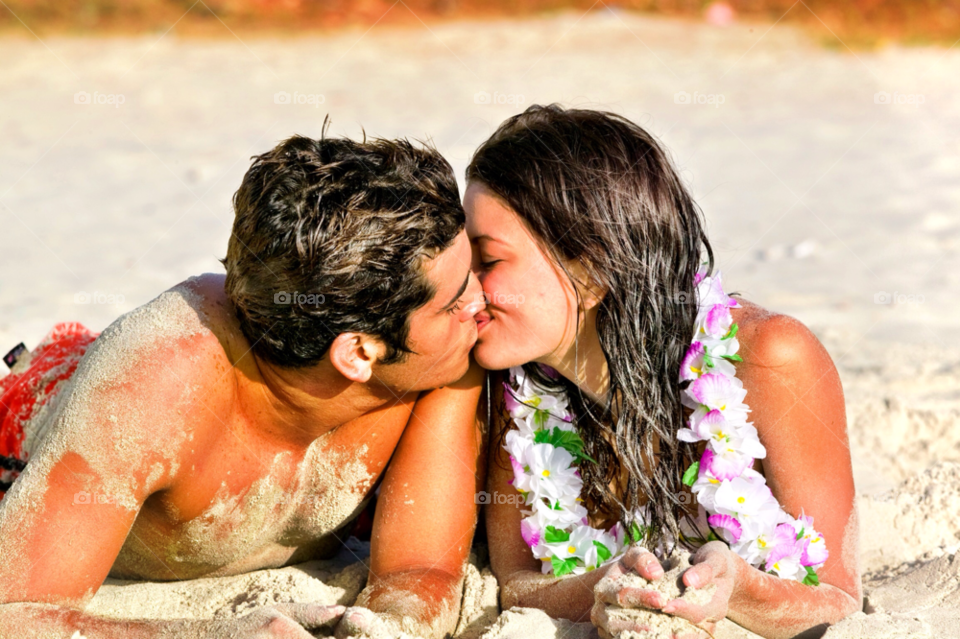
(554,353)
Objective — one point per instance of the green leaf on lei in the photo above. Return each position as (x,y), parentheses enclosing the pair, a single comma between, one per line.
(553,535)
(732,332)
(569,440)
(637,531)
(811,579)
(732,358)
(602,551)
(562,567)
(690,476)
(707,360)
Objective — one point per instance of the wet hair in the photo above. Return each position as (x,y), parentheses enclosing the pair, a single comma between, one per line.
(330,236)
(596,188)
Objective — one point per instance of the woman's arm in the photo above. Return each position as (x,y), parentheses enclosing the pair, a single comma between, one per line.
(521,580)
(797,405)
(425,518)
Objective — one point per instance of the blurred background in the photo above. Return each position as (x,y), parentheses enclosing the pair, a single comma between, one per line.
(820,138)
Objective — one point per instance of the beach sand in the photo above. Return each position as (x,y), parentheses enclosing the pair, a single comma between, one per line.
(828,178)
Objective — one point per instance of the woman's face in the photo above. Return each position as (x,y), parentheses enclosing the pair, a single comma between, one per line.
(531,312)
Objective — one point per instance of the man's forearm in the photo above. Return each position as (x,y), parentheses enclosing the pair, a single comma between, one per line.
(569,597)
(780,608)
(428,601)
(46,621)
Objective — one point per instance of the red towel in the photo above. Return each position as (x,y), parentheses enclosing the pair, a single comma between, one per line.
(24,391)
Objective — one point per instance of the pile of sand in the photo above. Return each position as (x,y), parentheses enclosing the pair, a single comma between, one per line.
(333,581)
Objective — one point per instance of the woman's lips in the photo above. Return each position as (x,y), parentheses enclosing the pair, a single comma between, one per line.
(483,318)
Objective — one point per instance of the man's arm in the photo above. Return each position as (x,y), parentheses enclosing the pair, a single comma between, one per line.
(425,518)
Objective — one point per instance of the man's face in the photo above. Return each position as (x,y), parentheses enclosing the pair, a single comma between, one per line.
(443,332)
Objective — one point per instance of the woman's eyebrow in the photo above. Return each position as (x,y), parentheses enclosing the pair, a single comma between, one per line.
(487,238)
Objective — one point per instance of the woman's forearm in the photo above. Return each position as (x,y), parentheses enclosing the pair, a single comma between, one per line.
(780,608)
(569,597)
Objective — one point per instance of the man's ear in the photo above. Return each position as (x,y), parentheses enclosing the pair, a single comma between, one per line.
(354,354)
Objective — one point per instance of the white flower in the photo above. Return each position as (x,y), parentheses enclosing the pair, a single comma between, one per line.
(548,467)
(748,498)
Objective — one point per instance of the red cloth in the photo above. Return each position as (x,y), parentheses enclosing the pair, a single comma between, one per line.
(23,392)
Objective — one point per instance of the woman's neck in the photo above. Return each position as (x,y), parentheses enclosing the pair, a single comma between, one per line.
(583,361)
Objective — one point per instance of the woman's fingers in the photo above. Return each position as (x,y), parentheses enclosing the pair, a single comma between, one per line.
(691,612)
(698,576)
(643,562)
(614,592)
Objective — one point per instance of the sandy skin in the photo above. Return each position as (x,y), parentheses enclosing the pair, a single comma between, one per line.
(174,454)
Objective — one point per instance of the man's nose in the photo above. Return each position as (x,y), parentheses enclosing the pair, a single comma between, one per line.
(477,300)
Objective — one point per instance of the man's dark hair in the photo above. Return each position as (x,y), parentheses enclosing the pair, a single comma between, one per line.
(331,236)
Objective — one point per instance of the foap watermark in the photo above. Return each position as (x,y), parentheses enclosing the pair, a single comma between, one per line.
(310,99)
(97,297)
(84,498)
(286,298)
(483,498)
(503,299)
(709,99)
(484,97)
(686,498)
(108,99)
(882,297)
(909,99)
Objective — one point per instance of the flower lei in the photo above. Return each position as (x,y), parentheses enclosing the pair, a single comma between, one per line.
(733,499)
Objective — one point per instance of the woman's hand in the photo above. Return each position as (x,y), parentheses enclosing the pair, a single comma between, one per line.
(713,563)
(611,591)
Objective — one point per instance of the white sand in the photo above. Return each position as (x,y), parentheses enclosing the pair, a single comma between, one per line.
(819,200)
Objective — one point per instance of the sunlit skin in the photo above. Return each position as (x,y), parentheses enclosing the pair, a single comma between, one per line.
(797,406)
(251,419)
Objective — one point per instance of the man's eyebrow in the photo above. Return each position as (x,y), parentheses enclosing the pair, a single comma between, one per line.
(463,287)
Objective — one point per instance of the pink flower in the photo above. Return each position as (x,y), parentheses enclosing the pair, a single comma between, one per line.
(718,392)
(718,321)
(692,365)
(730,528)
(725,466)
(530,534)
(514,405)
(814,551)
(784,557)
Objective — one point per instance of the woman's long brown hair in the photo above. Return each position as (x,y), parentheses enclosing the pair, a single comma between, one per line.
(596,188)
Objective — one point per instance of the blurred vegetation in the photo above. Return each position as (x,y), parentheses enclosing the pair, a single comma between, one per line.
(858,23)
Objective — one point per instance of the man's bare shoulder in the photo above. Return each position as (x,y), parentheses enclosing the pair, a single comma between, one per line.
(180,332)
(152,372)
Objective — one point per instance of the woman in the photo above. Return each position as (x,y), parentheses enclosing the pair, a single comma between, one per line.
(597,269)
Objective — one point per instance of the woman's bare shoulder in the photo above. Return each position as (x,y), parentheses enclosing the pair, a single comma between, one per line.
(773,340)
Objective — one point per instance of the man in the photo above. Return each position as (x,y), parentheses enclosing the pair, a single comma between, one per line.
(243,422)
